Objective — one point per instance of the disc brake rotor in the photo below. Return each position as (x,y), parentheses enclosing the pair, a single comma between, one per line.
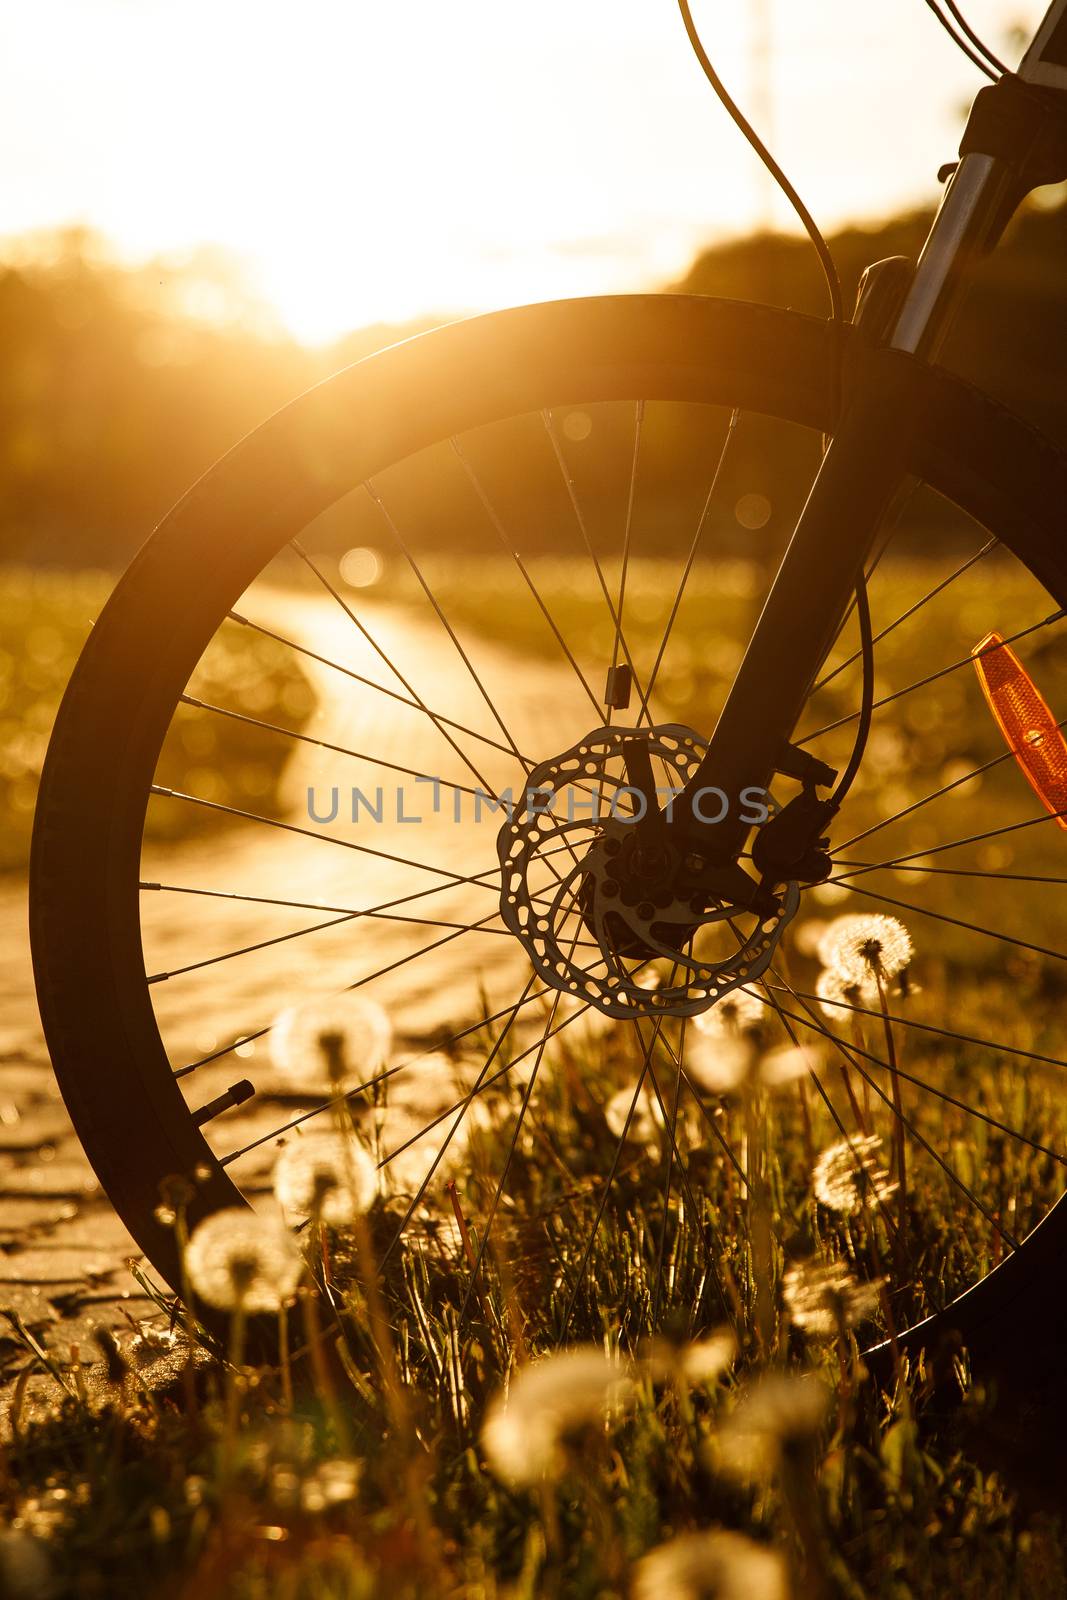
(591,930)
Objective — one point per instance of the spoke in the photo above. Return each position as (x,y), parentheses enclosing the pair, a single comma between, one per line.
(661,1250)
(509,546)
(512,1147)
(322,744)
(371,1084)
(993,875)
(345,912)
(691,555)
(377,500)
(932,677)
(374,1083)
(699,1219)
(928,1088)
(991,544)
(955,922)
(249,949)
(309,833)
(935,794)
(850,1057)
(953,844)
(572,494)
(994,1045)
(602,1206)
(261,1032)
(335,922)
(769,998)
(438,722)
(436,717)
(524,761)
(417,1198)
(785,1018)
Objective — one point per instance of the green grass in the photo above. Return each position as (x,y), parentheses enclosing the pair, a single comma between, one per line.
(909,1488)
(134,1492)
(47,619)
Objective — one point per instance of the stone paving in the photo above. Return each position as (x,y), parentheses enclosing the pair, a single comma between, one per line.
(63,1251)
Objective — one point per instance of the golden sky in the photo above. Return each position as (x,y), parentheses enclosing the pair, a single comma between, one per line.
(374,160)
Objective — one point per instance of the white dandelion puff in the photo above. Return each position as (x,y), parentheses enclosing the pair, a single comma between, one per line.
(737,1014)
(808,935)
(326,1175)
(719,1064)
(862,947)
(526,1429)
(837,993)
(778,1414)
(848,1174)
(333,1044)
(239,1261)
(331,1484)
(645,1123)
(824,1299)
(725,1066)
(715,1565)
(705,1360)
(788,1064)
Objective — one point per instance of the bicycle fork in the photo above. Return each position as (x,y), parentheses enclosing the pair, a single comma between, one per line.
(1016,139)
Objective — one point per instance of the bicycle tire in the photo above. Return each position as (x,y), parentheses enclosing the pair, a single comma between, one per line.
(112,1070)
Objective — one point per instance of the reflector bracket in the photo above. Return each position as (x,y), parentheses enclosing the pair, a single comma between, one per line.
(1026,722)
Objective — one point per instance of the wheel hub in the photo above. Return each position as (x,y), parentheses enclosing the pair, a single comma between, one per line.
(596,887)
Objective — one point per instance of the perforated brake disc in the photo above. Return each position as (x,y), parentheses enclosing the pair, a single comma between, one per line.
(588,932)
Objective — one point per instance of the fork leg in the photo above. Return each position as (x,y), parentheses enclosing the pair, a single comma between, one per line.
(855,486)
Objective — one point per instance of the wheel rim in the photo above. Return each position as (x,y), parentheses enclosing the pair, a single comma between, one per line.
(286,507)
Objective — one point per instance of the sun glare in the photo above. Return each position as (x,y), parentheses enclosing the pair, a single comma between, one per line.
(378,163)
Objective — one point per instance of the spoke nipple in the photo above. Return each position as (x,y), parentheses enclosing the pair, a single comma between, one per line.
(235,1095)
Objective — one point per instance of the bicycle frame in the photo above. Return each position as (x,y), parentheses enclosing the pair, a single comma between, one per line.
(863,467)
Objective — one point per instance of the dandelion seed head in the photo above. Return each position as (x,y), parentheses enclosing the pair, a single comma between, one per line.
(239,1261)
(525,1430)
(331,1484)
(715,1565)
(736,1015)
(848,1173)
(777,1414)
(808,935)
(645,1122)
(332,1044)
(792,1062)
(862,947)
(719,1064)
(836,992)
(326,1175)
(823,1298)
(705,1360)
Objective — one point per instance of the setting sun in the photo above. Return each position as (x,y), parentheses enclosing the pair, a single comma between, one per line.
(367,163)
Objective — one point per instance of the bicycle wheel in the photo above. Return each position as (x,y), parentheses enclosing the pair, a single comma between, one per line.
(651,449)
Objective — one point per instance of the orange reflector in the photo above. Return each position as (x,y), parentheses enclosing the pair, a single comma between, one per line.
(1025,721)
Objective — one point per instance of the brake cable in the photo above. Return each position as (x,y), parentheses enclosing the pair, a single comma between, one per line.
(833,285)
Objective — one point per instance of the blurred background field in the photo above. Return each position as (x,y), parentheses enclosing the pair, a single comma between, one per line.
(117,390)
